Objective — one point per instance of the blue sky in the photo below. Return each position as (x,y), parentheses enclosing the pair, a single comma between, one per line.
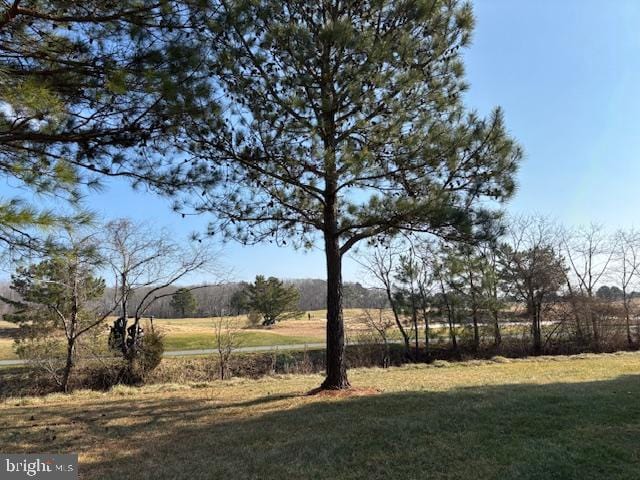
(566,72)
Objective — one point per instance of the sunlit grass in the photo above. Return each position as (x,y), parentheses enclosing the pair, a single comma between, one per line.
(6,349)
(244,339)
(556,417)
(197,333)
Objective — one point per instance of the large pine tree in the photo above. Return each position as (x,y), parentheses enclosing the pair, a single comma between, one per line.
(344,121)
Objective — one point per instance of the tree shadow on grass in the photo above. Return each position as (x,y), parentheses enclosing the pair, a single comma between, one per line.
(580,431)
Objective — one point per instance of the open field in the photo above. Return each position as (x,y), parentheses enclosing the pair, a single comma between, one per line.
(553,417)
(310,324)
(197,333)
(7,331)
(6,350)
(196,341)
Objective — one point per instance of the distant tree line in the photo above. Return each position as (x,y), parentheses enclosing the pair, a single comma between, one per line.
(614,293)
(224,299)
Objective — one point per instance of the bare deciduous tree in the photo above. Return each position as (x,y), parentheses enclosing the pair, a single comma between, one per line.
(492,300)
(381,262)
(227,340)
(532,268)
(147,262)
(379,322)
(626,266)
(589,252)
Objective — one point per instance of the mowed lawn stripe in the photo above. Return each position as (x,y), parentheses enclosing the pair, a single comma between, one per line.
(187,341)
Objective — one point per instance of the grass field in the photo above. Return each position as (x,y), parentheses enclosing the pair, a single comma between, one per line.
(6,350)
(190,341)
(7,331)
(197,333)
(547,418)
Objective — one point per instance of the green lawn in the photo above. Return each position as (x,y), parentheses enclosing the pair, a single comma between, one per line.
(193,341)
(554,418)
(179,341)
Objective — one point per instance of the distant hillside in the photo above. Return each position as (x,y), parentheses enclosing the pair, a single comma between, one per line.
(214,300)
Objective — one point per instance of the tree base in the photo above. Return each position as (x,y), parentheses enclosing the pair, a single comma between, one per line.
(341,383)
(344,393)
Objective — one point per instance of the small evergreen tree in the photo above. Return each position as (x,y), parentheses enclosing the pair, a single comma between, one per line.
(183,302)
(59,303)
(272,299)
(532,268)
(533,276)
(409,296)
(238,301)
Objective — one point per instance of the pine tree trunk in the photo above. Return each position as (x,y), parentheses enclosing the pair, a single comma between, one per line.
(66,373)
(425,317)
(335,354)
(396,317)
(537,334)
(476,331)
(414,319)
(497,337)
(125,314)
(628,324)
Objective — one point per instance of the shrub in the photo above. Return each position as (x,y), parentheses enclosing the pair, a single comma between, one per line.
(146,357)
(45,355)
